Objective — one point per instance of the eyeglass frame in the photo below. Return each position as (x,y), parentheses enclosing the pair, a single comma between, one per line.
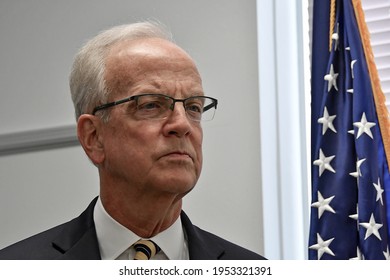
(172,107)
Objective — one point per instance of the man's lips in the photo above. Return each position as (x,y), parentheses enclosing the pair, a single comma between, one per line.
(178,155)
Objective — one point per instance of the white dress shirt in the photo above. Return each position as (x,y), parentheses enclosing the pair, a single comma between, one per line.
(115,240)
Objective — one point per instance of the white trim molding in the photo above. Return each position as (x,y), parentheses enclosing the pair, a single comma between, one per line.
(283,141)
(38,140)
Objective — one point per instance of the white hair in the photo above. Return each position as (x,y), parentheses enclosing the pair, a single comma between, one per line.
(86,81)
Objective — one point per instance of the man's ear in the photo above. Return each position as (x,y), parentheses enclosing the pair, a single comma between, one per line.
(89,134)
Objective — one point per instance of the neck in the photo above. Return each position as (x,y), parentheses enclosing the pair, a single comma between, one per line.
(145,215)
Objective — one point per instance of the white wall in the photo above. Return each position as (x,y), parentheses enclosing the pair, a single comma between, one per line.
(38,40)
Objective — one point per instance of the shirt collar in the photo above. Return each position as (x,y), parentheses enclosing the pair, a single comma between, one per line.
(114,238)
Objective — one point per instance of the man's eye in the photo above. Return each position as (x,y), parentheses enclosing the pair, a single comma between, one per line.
(149,105)
(196,108)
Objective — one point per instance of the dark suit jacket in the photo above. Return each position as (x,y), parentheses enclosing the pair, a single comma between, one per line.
(76,240)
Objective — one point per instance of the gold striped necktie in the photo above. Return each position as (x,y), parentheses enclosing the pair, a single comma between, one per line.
(145,249)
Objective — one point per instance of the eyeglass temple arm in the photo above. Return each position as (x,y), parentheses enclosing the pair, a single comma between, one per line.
(108,105)
(208,107)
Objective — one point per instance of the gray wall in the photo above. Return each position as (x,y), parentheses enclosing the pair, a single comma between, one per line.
(38,41)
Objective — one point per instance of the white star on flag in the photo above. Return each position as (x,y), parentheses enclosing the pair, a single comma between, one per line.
(322,246)
(336,38)
(324,163)
(358,173)
(331,78)
(387,254)
(323,205)
(356,215)
(364,126)
(372,228)
(327,121)
(379,191)
(359,255)
(352,65)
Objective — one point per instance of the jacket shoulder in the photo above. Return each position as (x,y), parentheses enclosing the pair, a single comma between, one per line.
(232,251)
(204,245)
(75,239)
(35,247)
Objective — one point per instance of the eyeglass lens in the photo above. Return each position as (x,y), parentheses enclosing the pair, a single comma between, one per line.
(155,106)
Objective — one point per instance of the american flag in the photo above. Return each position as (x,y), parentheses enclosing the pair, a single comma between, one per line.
(350,173)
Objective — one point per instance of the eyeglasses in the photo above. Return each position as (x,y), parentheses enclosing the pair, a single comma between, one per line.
(158,106)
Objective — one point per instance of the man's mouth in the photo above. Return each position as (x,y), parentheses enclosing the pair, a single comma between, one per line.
(178,155)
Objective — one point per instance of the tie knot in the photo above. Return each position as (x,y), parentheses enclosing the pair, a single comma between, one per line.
(145,249)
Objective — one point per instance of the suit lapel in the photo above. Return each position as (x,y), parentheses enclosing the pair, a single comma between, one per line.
(200,246)
(78,239)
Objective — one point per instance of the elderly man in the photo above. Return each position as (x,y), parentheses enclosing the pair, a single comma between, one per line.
(139,104)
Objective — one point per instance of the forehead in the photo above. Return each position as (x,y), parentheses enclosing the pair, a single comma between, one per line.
(151,46)
(148,52)
(135,61)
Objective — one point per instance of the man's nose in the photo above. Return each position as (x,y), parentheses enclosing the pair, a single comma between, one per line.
(178,122)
